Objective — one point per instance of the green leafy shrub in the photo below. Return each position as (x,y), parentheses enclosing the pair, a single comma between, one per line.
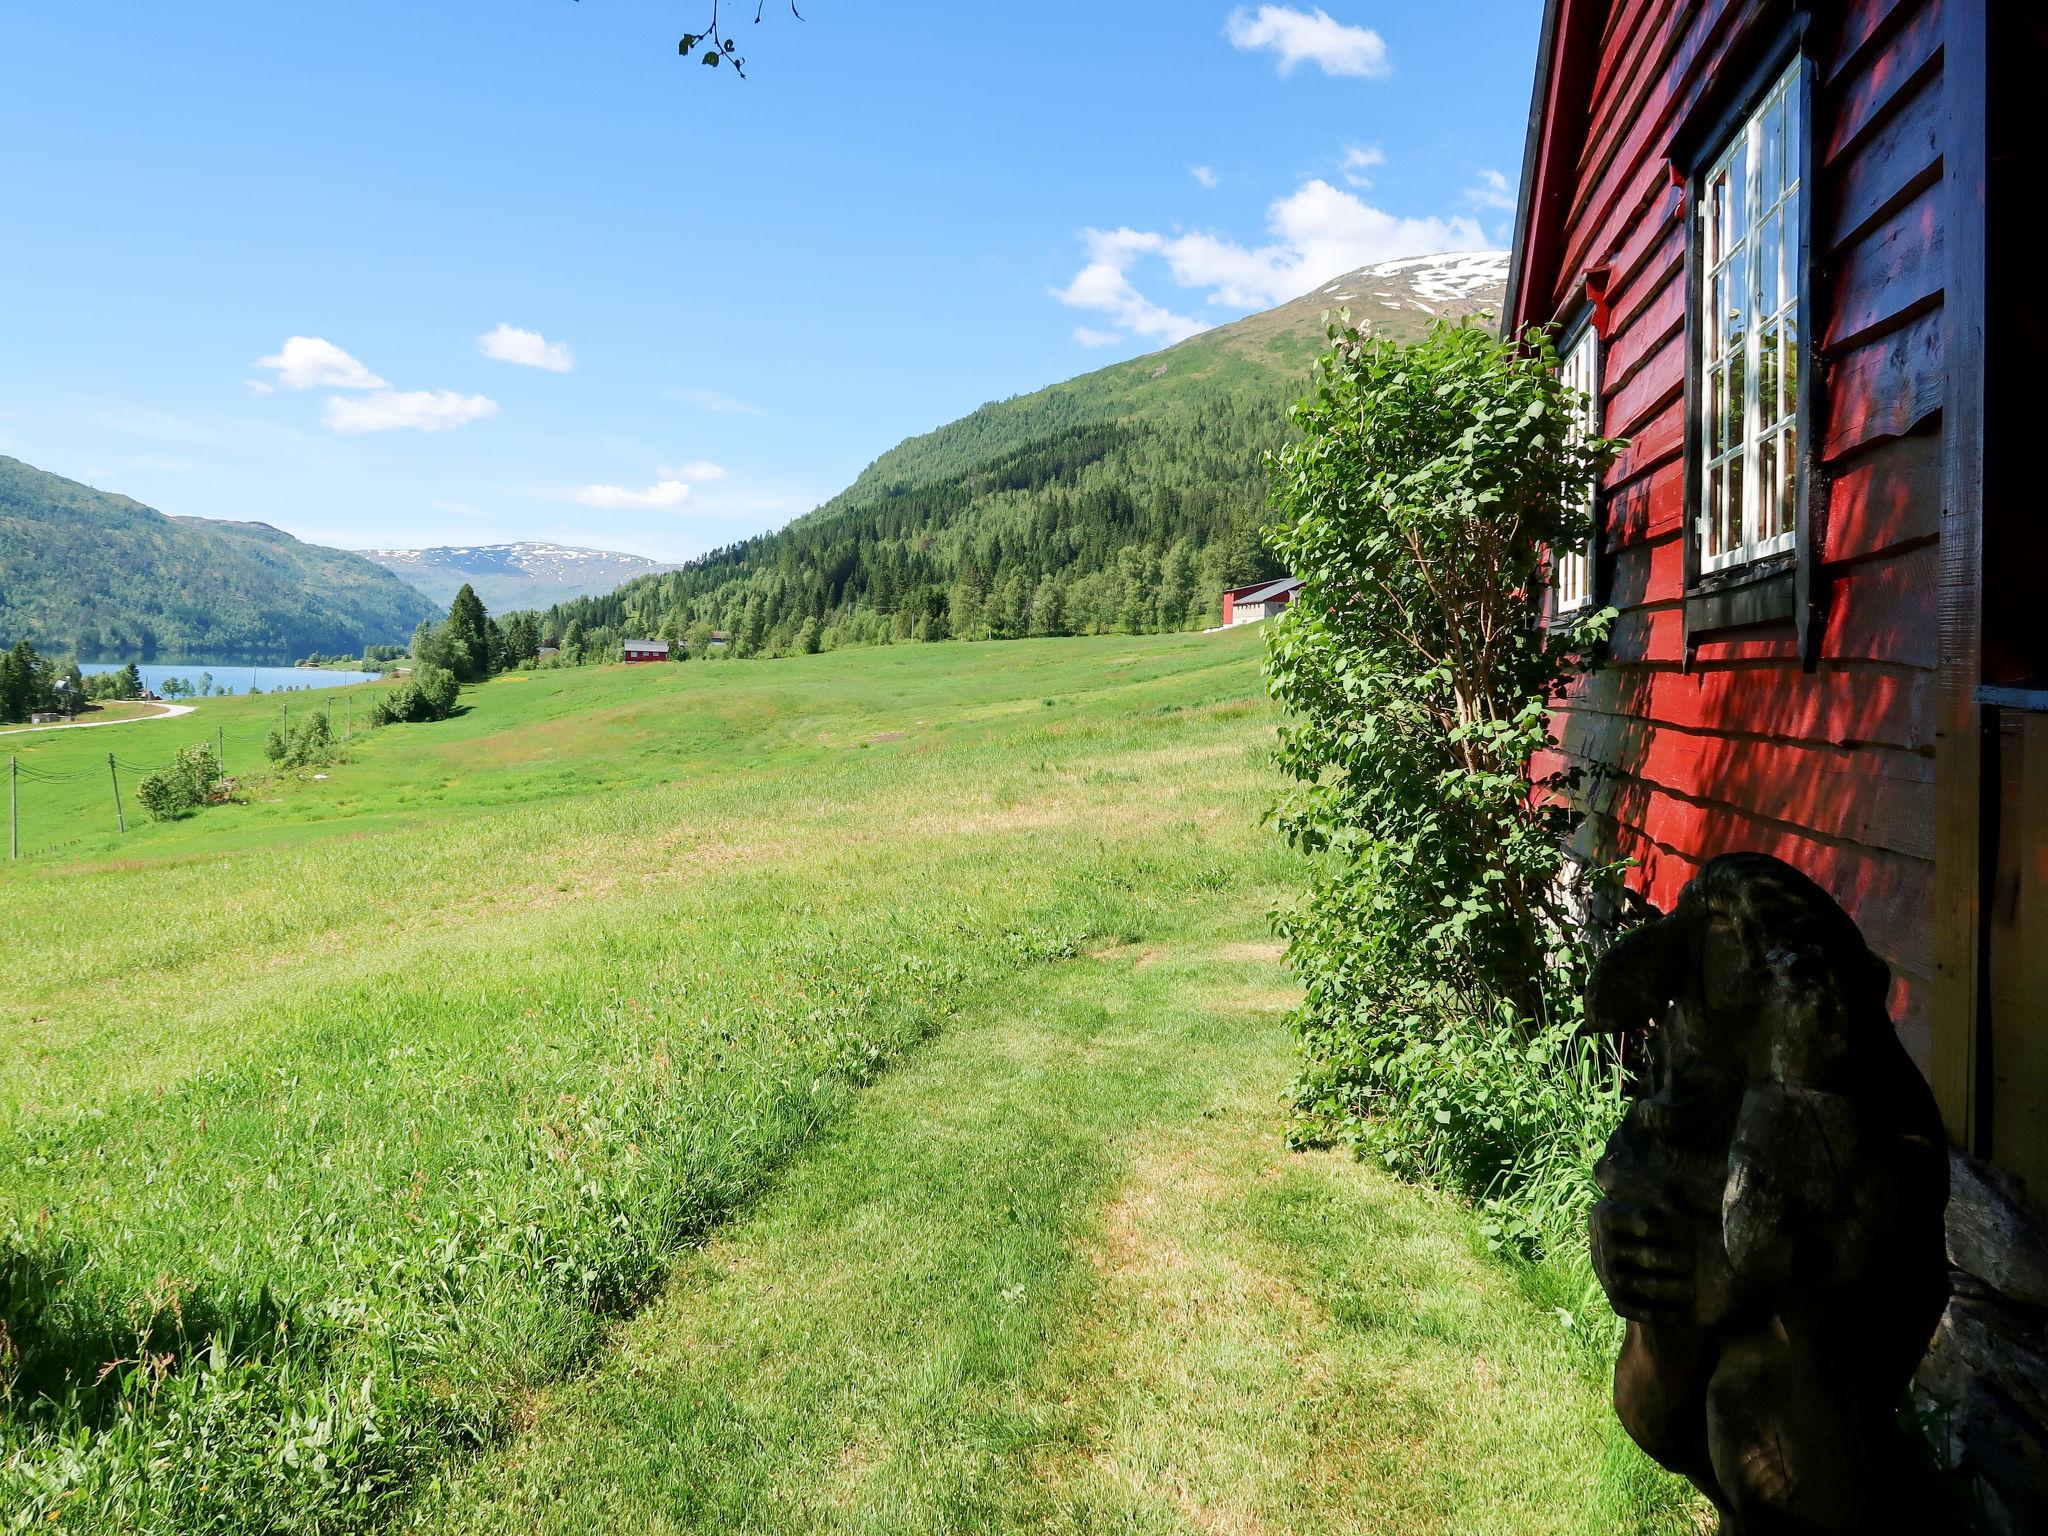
(310,744)
(429,694)
(181,788)
(1442,942)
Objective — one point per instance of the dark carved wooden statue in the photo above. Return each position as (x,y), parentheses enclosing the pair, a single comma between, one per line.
(1771,1226)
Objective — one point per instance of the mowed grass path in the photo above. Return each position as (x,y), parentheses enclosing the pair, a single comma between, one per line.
(341,1124)
(1060,1274)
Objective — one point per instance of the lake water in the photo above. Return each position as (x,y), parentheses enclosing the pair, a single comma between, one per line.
(237,679)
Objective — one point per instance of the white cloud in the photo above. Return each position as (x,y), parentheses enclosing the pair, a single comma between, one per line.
(1088,336)
(259,388)
(714,400)
(429,410)
(1491,191)
(308,362)
(1206,175)
(1358,159)
(1102,285)
(666,493)
(529,349)
(1310,37)
(1318,232)
(696,472)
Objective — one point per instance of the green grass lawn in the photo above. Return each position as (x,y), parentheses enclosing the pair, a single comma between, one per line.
(361,1141)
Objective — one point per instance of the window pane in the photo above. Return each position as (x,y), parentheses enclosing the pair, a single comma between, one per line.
(1738,193)
(1791,333)
(1736,518)
(1789,450)
(1734,301)
(1710,533)
(1767,173)
(1768,289)
(1732,402)
(1767,377)
(1767,488)
(1792,144)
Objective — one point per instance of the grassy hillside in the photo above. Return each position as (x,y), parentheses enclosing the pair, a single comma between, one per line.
(1120,500)
(105,578)
(344,1124)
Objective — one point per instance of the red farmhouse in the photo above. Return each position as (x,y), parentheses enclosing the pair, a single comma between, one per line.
(1784,248)
(644,650)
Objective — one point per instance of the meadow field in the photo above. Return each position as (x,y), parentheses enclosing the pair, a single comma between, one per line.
(842,1092)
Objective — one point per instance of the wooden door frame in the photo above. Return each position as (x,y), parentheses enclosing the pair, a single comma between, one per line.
(1962,754)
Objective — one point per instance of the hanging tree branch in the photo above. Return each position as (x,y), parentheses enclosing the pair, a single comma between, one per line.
(719,48)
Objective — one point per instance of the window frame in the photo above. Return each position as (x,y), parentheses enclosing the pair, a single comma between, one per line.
(1769,581)
(1582,333)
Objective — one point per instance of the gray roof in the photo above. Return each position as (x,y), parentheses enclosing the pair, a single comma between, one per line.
(1271,590)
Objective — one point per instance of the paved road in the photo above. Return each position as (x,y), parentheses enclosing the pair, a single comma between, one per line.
(164,712)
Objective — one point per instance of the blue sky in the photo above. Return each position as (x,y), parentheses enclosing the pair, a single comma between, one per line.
(547,280)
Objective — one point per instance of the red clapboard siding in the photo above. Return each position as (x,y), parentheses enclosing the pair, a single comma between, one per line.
(1889,275)
(1886,170)
(1863,22)
(1738,745)
(1654,442)
(1885,611)
(1889,895)
(1647,117)
(1874,796)
(1649,328)
(1888,388)
(1841,705)
(1648,507)
(1658,382)
(1886,497)
(1868,93)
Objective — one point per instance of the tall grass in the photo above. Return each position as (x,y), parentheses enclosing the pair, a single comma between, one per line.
(349,1117)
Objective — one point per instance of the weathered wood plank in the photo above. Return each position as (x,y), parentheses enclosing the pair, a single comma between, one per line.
(1887,389)
(1647,329)
(1888,496)
(1887,171)
(1881,76)
(1890,895)
(1887,276)
(1885,611)
(1657,382)
(1847,705)
(1874,797)
(1651,506)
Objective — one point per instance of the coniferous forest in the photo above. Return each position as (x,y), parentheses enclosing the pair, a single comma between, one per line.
(1124,501)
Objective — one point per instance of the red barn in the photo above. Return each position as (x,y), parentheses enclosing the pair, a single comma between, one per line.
(1781,245)
(1260,600)
(644,650)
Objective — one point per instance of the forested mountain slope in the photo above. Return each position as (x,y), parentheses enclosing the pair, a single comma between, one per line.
(1123,499)
(105,578)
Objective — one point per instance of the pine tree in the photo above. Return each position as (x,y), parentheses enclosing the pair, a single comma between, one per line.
(468,638)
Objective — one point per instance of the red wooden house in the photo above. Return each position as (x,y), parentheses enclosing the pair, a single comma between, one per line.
(1782,246)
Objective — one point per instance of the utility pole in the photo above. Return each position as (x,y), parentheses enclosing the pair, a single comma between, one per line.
(220,762)
(120,816)
(14,805)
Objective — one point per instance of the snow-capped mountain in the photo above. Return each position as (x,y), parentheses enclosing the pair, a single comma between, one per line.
(530,574)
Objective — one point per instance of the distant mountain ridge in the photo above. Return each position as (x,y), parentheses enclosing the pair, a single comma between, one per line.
(101,576)
(1126,498)
(529,574)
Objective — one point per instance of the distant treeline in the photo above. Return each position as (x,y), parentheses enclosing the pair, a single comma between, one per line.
(1024,519)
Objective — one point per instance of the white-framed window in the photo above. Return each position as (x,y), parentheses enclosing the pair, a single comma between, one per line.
(1749,243)
(1572,569)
